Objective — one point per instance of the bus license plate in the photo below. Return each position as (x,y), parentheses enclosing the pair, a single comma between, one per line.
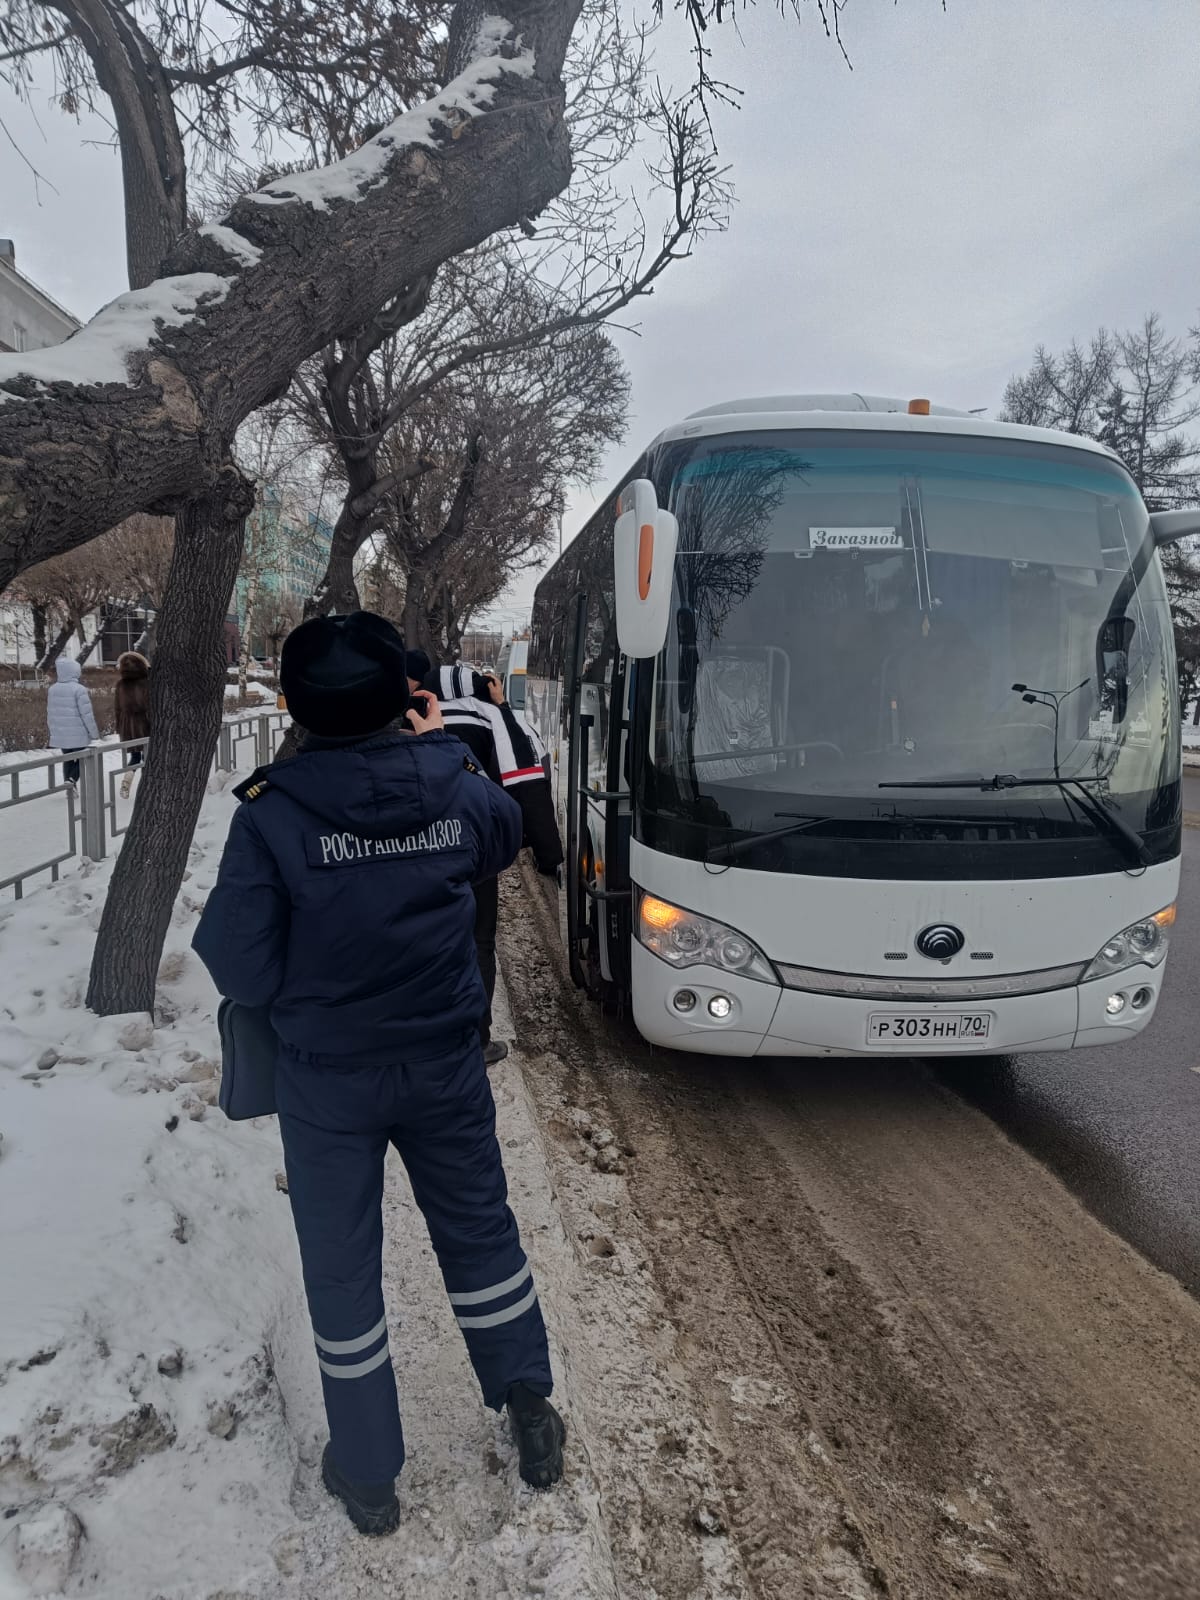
(927,1028)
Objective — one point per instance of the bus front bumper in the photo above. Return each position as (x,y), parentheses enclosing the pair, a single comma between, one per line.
(768,1020)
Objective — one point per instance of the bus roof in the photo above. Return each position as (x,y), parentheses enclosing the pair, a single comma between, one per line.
(862,413)
(874,403)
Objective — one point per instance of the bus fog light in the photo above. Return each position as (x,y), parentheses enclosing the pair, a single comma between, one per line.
(720,1006)
(684,1000)
(1141,999)
(1115,1004)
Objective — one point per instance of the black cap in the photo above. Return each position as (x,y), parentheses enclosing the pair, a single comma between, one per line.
(418,665)
(344,677)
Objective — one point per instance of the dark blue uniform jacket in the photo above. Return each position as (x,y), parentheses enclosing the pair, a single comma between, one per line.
(344,897)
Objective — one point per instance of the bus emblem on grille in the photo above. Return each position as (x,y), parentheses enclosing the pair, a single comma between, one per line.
(940,941)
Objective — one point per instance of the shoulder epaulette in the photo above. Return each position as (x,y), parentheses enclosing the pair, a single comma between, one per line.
(254,785)
(469,765)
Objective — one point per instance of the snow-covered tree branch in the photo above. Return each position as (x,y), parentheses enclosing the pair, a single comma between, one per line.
(155,386)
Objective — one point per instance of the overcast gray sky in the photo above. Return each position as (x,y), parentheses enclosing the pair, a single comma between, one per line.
(989,177)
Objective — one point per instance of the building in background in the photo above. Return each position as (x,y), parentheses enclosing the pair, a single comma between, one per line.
(285,556)
(29,319)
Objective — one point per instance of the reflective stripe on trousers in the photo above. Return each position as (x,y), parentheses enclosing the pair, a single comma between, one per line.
(337,1123)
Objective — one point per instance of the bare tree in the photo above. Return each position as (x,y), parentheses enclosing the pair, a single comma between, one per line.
(1064,391)
(160,110)
(507,436)
(139,410)
(279,530)
(590,264)
(65,591)
(381,582)
(181,78)
(141,549)
(1138,393)
(121,572)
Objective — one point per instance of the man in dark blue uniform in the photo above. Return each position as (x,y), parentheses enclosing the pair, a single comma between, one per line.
(344,902)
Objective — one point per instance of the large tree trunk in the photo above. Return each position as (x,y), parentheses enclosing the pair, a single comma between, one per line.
(186,700)
(337,592)
(240,314)
(61,640)
(247,646)
(39,633)
(417,632)
(149,638)
(153,164)
(89,648)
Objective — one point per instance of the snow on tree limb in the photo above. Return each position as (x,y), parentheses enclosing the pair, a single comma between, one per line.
(470,93)
(234,244)
(80,453)
(99,353)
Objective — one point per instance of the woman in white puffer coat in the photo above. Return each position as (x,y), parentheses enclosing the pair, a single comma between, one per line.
(69,712)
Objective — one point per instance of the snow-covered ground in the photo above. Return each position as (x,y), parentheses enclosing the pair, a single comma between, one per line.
(256,689)
(160,1414)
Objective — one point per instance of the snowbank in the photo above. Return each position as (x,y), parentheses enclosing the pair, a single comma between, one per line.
(160,1418)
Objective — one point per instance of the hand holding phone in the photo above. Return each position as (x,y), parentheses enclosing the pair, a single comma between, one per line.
(424,714)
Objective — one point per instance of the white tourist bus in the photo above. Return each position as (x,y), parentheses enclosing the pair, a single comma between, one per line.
(866,730)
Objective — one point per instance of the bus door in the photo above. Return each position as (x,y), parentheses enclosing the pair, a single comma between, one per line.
(598,816)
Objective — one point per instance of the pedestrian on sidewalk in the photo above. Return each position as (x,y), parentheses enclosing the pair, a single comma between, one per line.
(132,704)
(503,749)
(344,903)
(72,722)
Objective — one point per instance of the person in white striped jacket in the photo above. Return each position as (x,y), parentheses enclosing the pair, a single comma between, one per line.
(475,710)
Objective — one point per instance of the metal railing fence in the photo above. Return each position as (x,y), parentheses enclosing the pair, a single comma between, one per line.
(36,823)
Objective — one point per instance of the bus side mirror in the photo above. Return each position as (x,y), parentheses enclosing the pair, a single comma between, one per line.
(644,542)
(1168,527)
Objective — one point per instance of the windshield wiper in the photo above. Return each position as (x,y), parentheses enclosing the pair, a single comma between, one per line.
(723,853)
(739,847)
(1115,828)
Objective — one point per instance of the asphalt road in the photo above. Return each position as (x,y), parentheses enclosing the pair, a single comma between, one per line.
(881,1345)
(1121,1127)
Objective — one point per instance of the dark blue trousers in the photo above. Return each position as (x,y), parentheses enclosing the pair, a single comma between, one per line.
(337,1123)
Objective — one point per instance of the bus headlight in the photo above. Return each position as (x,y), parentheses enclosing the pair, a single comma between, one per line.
(686,939)
(1140,944)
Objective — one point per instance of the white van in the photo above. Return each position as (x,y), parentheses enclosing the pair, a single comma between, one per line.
(511,668)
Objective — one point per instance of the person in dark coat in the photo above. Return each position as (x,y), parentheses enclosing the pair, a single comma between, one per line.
(344,903)
(503,749)
(131,703)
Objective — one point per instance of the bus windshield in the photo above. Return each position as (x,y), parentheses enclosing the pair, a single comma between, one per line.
(855,615)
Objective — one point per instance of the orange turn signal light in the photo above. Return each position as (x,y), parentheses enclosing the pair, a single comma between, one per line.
(645,558)
(659,914)
(1164,918)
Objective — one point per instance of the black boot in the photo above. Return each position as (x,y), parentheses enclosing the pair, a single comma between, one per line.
(372,1507)
(539,1432)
